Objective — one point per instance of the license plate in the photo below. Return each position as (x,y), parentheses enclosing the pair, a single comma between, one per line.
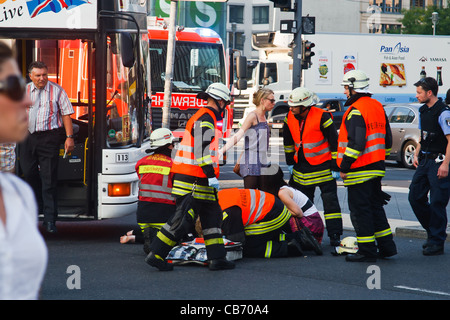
(277,125)
(122,157)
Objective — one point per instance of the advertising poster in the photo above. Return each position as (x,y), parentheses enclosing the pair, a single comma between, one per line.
(324,67)
(67,14)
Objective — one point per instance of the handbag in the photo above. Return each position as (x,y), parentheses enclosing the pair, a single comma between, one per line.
(237,166)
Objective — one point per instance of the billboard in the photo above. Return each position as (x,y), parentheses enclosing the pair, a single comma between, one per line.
(61,14)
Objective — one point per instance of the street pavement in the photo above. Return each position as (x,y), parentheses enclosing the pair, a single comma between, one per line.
(401,218)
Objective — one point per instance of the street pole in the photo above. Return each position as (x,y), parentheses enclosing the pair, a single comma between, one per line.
(297,50)
(169,66)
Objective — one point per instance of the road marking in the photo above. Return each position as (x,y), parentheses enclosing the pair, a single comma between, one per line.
(423,290)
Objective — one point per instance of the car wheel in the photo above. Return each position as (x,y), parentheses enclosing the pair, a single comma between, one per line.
(408,154)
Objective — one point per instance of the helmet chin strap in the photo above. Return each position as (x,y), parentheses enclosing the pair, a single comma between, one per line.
(221,109)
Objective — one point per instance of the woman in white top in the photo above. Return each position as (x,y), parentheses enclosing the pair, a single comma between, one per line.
(23,254)
(304,212)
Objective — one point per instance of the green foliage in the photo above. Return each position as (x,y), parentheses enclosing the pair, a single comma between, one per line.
(418,21)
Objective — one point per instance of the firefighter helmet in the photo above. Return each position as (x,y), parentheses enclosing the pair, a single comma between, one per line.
(347,245)
(356,79)
(302,97)
(160,137)
(217,91)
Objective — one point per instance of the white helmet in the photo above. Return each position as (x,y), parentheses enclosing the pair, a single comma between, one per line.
(348,245)
(217,91)
(302,97)
(355,79)
(160,137)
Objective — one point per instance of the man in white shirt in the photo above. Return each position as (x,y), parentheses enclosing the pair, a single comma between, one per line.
(49,122)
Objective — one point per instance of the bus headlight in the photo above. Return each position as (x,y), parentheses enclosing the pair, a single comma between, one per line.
(119,189)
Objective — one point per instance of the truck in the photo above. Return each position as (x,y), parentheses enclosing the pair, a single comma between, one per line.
(392,62)
(200,59)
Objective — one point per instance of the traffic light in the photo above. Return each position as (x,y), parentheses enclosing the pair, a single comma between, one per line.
(284,5)
(307,54)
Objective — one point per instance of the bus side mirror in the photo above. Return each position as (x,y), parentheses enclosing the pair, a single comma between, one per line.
(241,72)
(127,49)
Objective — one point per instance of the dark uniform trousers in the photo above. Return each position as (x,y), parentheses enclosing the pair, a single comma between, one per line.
(332,209)
(267,238)
(431,214)
(209,212)
(368,217)
(38,158)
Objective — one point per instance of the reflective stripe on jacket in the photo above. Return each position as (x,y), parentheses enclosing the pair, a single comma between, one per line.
(155,179)
(315,146)
(374,151)
(254,204)
(185,161)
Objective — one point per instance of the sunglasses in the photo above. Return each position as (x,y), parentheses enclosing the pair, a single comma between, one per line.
(13,87)
(271,100)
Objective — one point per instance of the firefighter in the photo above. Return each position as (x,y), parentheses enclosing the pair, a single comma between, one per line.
(310,146)
(156,202)
(196,169)
(263,223)
(364,141)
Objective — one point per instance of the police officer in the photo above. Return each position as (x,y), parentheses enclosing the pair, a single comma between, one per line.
(156,202)
(364,141)
(196,168)
(431,158)
(310,146)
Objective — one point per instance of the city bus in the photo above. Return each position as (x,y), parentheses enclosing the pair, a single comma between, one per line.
(97,50)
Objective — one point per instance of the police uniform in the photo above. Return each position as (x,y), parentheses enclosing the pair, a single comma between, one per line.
(364,141)
(310,145)
(434,125)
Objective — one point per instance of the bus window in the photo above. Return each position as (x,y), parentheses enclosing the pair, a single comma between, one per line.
(122,98)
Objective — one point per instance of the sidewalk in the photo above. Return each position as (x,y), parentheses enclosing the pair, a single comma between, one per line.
(401,218)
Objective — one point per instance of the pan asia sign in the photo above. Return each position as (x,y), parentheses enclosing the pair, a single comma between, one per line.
(60,14)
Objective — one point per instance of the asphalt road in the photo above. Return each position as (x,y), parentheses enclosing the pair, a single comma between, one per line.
(87,262)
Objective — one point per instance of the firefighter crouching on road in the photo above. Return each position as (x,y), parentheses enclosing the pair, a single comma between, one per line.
(365,140)
(264,224)
(310,146)
(156,203)
(196,169)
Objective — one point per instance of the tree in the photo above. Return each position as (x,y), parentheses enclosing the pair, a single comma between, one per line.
(418,21)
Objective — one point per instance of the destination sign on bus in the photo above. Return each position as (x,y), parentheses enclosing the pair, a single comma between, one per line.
(58,14)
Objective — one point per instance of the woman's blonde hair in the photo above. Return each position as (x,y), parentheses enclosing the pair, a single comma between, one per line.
(262,93)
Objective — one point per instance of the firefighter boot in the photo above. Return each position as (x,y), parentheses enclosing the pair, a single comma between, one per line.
(220,264)
(160,263)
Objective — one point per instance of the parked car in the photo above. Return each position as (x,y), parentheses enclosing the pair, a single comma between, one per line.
(404,122)
(336,107)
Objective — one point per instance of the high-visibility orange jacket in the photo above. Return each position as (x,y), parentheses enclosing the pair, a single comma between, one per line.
(254,204)
(316,147)
(155,179)
(185,161)
(374,117)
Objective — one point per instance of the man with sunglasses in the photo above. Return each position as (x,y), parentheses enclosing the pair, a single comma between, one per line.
(49,125)
(310,145)
(431,158)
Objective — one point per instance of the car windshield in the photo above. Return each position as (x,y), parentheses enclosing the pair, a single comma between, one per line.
(196,65)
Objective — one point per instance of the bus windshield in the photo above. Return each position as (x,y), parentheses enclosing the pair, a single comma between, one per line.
(196,65)
(122,109)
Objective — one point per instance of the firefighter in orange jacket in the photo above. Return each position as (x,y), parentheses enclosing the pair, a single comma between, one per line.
(310,146)
(196,169)
(364,141)
(156,202)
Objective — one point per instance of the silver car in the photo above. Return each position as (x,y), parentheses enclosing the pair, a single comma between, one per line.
(404,122)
